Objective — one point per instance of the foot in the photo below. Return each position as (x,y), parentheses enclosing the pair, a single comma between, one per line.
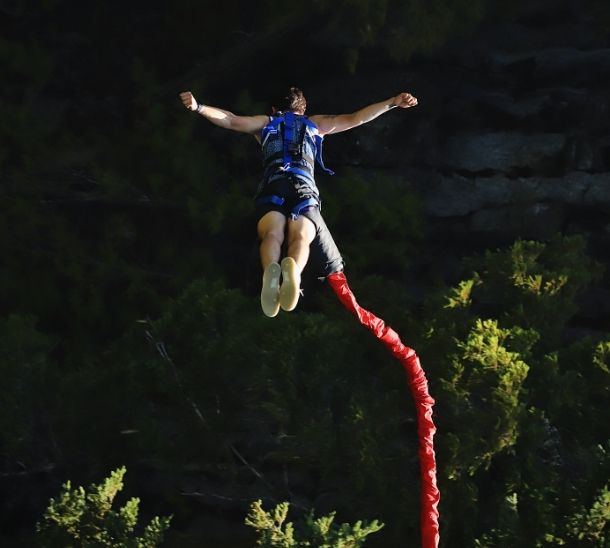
(291,284)
(270,293)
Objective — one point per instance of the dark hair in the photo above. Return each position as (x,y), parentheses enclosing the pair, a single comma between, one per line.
(294,101)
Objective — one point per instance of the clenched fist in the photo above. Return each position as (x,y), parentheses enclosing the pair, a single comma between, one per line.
(188,100)
(405,100)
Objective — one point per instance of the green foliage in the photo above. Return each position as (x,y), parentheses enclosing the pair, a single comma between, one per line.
(535,285)
(486,384)
(587,527)
(274,532)
(461,296)
(516,402)
(87,519)
(591,526)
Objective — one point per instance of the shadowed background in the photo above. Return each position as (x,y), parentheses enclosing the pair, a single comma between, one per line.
(126,222)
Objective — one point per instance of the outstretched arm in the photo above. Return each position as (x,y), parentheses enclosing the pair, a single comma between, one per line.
(342,122)
(224,118)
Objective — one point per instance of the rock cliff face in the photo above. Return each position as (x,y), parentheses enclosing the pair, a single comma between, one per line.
(512,135)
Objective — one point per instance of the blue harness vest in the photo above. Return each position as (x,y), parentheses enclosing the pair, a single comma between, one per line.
(291,144)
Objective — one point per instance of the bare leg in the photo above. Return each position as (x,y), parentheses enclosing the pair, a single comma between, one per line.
(300,235)
(271,233)
(270,229)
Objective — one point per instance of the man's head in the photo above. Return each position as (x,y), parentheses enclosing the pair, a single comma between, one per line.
(293,101)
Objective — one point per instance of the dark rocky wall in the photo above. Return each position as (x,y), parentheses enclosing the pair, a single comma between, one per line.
(511,138)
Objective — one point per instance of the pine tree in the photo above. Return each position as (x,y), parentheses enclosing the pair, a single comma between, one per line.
(79,518)
(322,532)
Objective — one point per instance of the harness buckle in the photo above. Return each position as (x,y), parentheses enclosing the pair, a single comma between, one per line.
(296,150)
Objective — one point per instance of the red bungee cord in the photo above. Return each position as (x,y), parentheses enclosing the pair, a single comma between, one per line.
(418,384)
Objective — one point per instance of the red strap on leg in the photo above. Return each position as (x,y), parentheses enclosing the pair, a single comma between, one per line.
(418,384)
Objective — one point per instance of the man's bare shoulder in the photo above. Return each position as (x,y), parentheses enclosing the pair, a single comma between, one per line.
(324,122)
(331,123)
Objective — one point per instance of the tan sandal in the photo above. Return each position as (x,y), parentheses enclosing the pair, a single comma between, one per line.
(291,284)
(270,293)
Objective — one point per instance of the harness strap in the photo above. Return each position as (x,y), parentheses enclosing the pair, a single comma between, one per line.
(278,159)
(295,211)
(271,199)
(319,140)
(289,139)
(301,172)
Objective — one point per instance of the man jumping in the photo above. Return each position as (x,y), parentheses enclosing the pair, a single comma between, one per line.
(287,200)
